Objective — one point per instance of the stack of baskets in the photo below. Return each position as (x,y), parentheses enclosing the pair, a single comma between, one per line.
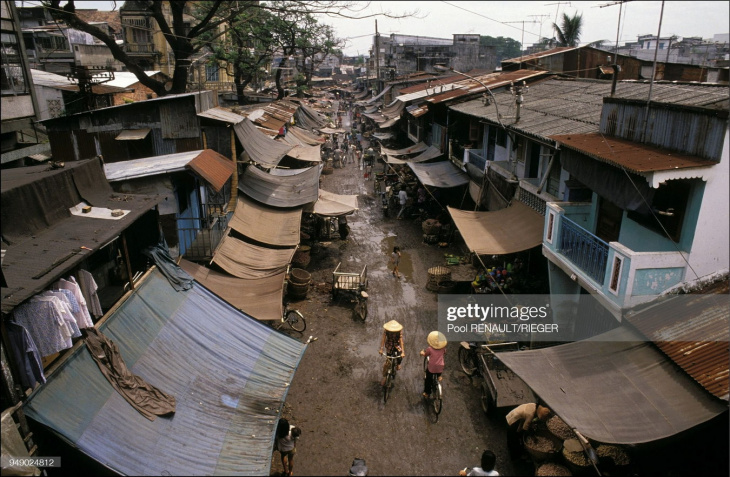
(299,281)
(431,229)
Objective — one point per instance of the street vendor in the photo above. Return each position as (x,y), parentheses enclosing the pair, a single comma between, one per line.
(519,420)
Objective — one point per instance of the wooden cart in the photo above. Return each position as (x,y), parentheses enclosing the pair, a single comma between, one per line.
(501,386)
(349,281)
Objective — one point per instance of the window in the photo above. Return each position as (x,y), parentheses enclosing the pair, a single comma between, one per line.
(212,73)
(614,284)
(475,129)
(501,138)
(13,76)
(140,36)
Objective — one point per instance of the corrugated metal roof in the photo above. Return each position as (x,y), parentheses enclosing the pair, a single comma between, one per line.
(573,106)
(635,157)
(542,54)
(215,168)
(492,81)
(220,114)
(148,166)
(132,134)
(692,330)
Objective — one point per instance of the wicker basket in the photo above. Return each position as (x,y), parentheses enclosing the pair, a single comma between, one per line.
(436,275)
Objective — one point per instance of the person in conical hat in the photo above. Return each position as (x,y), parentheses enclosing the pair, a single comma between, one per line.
(435,352)
(391,344)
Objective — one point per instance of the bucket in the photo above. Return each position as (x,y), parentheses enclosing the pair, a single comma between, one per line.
(301,256)
(298,290)
(299,277)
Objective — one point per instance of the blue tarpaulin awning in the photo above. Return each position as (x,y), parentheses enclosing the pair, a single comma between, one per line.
(228,373)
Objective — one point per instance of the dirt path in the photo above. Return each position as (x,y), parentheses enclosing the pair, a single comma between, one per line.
(336,397)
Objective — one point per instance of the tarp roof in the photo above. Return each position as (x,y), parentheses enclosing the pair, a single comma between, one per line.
(220,114)
(428,154)
(264,224)
(306,153)
(280,191)
(415,148)
(305,136)
(260,147)
(44,238)
(245,260)
(442,174)
(259,298)
(228,373)
(308,118)
(333,205)
(615,388)
(509,230)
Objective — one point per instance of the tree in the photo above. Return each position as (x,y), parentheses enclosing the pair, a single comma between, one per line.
(569,33)
(505,47)
(178,35)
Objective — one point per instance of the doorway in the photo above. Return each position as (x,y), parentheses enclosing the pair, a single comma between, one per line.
(608,225)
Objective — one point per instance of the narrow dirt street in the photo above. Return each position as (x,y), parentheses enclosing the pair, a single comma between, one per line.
(336,396)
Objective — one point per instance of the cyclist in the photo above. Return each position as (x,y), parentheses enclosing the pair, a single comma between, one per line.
(391,344)
(435,351)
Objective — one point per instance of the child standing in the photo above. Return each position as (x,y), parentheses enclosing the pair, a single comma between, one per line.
(395,260)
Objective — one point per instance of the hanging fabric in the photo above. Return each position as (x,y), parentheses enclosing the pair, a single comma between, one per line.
(88,289)
(26,354)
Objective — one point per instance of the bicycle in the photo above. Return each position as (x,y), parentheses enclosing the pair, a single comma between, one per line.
(390,375)
(361,305)
(294,319)
(436,395)
(469,359)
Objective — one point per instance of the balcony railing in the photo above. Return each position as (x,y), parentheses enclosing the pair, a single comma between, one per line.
(585,250)
(476,158)
(198,243)
(139,48)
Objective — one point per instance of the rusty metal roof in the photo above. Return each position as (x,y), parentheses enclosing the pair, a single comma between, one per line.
(493,80)
(692,330)
(635,157)
(542,54)
(215,168)
(274,115)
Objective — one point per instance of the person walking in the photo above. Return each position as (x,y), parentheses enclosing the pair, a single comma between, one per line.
(403,200)
(435,352)
(395,260)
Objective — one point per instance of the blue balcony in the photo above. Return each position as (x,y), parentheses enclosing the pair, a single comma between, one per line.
(621,277)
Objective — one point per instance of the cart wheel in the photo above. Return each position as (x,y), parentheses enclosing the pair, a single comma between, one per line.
(485,399)
(467,361)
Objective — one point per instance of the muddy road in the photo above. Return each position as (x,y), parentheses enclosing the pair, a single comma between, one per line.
(336,397)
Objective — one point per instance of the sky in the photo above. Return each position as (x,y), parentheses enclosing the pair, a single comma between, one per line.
(441,19)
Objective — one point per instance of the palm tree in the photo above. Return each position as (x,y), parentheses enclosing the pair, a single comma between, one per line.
(569,34)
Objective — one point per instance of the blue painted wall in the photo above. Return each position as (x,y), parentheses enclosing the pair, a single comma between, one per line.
(654,281)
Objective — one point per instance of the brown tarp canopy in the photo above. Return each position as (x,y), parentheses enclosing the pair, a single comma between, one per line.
(269,225)
(305,136)
(427,155)
(509,230)
(279,190)
(615,388)
(414,149)
(306,153)
(260,147)
(245,260)
(333,205)
(441,174)
(261,298)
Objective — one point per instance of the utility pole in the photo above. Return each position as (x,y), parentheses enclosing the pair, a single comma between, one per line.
(522,43)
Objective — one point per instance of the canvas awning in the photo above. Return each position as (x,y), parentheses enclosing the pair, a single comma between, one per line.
(132,134)
(280,191)
(305,136)
(439,174)
(260,147)
(427,155)
(259,298)
(509,230)
(333,205)
(229,374)
(388,123)
(264,224)
(306,153)
(414,149)
(245,260)
(616,388)
(332,131)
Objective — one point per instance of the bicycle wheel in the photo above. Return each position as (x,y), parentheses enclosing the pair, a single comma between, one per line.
(467,361)
(296,320)
(485,398)
(437,397)
(388,385)
(361,310)
(425,364)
